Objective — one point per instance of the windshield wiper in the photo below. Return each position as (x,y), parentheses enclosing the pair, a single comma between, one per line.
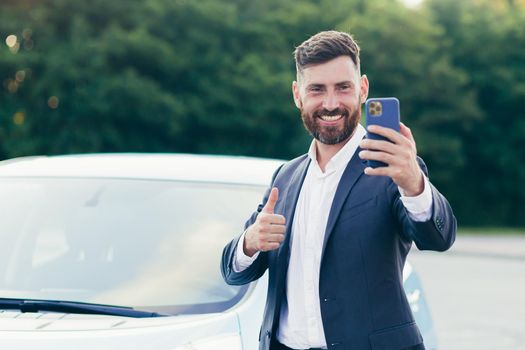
(72,307)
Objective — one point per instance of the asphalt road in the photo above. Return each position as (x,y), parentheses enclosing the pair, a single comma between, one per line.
(476,292)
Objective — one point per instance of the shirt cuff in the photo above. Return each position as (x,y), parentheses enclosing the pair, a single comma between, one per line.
(419,207)
(242,261)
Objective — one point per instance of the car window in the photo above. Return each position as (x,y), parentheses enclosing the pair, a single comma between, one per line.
(148,244)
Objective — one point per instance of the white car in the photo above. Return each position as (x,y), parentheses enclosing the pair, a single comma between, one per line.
(122,251)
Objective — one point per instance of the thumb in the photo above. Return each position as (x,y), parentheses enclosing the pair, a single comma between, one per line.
(272,199)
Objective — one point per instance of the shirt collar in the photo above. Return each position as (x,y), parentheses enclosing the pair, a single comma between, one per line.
(341,158)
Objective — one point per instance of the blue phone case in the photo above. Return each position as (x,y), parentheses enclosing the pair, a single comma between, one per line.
(383,111)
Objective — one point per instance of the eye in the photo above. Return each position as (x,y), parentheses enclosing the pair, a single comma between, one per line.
(315,89)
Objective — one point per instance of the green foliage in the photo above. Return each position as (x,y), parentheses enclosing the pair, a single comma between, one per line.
(214,76)
(488,39)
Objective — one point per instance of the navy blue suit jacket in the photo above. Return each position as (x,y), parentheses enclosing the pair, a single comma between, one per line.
(367,239)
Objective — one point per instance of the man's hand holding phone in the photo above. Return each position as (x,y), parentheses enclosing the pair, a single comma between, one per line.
(399,153)
(267,232)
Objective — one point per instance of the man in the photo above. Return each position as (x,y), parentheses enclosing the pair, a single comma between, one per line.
(333,233)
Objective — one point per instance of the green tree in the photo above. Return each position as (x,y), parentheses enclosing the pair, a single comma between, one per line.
(487,40)
(214,76)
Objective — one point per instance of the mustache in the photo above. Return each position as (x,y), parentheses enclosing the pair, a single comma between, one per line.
(338,111)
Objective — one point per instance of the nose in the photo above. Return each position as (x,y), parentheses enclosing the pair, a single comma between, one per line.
(330,101)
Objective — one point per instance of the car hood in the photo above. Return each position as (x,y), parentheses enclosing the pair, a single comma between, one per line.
(67,331)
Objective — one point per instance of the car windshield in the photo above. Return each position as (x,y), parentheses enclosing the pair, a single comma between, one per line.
(152,245)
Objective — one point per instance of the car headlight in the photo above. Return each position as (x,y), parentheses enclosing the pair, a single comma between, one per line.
(226,341)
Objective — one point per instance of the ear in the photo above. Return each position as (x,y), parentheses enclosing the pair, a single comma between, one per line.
(363,93)
(296,94)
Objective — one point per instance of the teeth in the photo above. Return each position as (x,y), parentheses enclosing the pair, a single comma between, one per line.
(330,118)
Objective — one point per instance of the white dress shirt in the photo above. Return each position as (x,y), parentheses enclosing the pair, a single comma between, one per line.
(300,325)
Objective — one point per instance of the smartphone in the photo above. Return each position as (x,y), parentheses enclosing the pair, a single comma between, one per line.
(383,111)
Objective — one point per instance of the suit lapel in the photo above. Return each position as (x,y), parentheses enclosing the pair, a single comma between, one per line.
(291,197)
(353,171)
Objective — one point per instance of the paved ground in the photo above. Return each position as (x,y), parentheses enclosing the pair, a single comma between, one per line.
(476,292)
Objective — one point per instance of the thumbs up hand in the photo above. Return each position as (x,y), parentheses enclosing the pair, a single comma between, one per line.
(267,232)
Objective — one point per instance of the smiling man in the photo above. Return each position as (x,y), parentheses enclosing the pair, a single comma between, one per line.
(333,233)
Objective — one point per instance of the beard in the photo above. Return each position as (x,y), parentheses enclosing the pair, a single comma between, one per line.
(331,135)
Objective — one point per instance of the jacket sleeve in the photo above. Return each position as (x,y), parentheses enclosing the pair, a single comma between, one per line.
(259,265)
(439,232)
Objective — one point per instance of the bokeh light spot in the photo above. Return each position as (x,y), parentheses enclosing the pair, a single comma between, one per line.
(20,76)
(28,45)
(15,48)
(26,33)
(11,41)
(53,102)
(19,118)
(12,86)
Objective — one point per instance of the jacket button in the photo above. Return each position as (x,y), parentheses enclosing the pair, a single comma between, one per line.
(328,299)
(268,334)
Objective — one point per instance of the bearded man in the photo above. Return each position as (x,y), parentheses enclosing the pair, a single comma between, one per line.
(333,233)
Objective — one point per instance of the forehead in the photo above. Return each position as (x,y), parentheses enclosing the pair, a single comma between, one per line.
(339,69)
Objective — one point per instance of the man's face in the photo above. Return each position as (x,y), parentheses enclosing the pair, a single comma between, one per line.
(329,96)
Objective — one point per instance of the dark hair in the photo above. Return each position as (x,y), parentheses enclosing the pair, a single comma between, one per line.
(325,46)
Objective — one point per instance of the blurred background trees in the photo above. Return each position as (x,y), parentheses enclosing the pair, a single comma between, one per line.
(214,76)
